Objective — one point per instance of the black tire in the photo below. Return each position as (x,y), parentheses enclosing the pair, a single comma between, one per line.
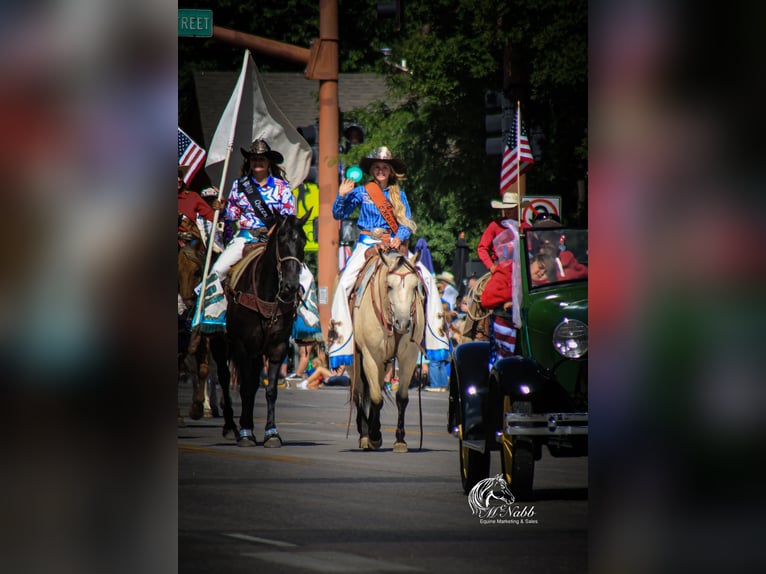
(517,459)
(519,467)
(474,466)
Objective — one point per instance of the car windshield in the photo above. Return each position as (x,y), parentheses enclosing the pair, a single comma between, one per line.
(556,255)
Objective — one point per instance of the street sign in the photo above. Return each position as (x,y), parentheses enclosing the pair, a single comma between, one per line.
(195,23)
(532,205)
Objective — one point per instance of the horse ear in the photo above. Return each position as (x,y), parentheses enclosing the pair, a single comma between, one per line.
(305,217)
(415,258)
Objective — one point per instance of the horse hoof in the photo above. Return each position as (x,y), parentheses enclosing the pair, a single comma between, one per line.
(230,433)
(272,439)
(400,447)
(366,444)
(196,411)
(246,438)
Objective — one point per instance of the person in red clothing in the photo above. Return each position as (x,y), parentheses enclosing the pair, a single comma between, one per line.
(190,203)
(491,250)
(551,261)
(498,250)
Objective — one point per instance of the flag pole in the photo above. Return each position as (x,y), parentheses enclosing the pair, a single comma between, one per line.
(209,255)
(518,161)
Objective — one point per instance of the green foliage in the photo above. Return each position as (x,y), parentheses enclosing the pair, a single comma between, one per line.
(435,118)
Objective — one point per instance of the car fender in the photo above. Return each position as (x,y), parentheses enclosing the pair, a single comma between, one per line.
(523,379)
(469,390)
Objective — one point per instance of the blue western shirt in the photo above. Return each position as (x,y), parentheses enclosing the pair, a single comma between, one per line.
(369,214)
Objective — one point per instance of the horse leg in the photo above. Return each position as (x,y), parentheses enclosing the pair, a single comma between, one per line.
(362,425)
(271,438)
(401,405)
(203,368)
(369,434)
(218,350)
(211,383)
(248,370)
(376,439)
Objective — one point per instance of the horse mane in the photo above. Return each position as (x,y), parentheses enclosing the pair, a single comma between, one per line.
(255,266)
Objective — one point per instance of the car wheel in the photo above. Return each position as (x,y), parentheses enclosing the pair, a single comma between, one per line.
(517,457)
(474,466)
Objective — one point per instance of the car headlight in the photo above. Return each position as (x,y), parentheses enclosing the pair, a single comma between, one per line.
(570,338)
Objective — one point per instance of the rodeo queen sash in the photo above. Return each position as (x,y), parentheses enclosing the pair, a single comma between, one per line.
(383,205)
(260,207)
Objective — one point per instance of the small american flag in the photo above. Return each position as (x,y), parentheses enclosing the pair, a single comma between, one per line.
(189,153)
(502,339)
(517,155)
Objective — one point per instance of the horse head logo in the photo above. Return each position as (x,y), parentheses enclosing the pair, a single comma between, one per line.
(490,497)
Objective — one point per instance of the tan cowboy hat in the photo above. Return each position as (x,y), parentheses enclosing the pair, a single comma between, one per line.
(509,200)
(260,147)
(382,154)
(447,277)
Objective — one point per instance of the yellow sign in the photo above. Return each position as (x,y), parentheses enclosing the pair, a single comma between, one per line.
(307,197)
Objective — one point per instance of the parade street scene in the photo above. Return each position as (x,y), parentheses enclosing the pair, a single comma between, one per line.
(382,263)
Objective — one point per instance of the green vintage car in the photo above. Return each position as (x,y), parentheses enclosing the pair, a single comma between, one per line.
(538,395)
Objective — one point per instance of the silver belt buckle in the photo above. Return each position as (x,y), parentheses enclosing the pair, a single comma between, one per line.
(377,233)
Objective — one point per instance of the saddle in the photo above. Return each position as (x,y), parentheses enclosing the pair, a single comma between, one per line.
(372,263)
(251,300)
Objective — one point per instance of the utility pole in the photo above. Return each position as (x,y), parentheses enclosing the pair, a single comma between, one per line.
(321,64)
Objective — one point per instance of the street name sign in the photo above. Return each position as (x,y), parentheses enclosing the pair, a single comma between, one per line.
(195,23)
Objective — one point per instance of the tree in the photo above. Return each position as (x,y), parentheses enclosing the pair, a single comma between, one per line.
(455,50)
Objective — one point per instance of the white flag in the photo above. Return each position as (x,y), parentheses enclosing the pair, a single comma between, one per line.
(252,114)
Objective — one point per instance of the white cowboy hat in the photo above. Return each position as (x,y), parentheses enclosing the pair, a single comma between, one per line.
(447,277)
(510,199)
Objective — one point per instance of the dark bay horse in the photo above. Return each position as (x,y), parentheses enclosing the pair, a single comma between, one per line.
(196,349)
(259,319)
(388,325)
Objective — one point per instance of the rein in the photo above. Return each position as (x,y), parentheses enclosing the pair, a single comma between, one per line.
(271,310)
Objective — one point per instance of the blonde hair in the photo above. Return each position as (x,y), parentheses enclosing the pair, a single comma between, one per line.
(395,196)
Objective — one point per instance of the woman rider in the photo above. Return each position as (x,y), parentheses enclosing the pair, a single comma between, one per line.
(375,222)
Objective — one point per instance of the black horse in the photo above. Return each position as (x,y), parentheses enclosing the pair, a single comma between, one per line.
(259,320)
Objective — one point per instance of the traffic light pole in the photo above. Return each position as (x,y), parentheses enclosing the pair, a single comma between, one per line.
(321,64)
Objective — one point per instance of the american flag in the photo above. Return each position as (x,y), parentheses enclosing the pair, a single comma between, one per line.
(517,155)
(502,339)
(189,153)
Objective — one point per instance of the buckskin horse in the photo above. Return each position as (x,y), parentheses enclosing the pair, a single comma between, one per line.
(389,323)
(259,319)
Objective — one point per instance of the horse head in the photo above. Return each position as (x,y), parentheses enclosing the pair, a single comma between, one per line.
(290,240)
(402,285)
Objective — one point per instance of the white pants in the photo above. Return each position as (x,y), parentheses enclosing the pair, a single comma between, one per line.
(229,257)
(342,348)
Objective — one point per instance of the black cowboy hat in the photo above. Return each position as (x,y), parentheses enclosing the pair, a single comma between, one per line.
(383,154)
(260,147)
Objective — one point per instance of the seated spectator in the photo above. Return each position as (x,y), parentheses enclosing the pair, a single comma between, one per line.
(322,376)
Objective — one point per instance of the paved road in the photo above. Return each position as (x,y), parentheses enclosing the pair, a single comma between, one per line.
(319,504)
